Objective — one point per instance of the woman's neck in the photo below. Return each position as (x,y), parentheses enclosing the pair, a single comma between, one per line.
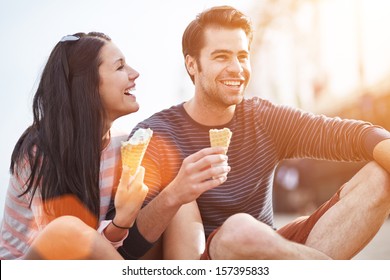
(106,139)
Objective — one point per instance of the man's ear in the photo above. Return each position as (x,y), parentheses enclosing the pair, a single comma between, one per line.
(190,64)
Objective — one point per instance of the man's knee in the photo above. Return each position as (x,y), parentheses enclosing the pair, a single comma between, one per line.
(243,233)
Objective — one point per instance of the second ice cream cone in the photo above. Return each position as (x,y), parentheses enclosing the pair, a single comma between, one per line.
(134,149)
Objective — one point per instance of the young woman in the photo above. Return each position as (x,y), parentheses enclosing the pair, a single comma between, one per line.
(65,168)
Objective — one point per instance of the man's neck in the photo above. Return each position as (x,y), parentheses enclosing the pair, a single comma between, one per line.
(209,115)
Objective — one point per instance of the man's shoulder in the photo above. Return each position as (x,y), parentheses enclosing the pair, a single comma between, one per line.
(164,119)
(255,101)
(255,104)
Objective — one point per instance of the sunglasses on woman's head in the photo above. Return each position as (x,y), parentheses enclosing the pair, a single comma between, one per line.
(67,38)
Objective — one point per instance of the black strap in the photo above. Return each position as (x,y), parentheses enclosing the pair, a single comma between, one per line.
(135,245)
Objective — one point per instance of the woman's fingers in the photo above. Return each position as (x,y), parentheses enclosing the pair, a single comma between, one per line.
(144,190)
(125,178)
(139,179)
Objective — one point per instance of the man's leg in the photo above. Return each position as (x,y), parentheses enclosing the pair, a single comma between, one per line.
(184,239)
(347,227)
(244,237)
(339,229)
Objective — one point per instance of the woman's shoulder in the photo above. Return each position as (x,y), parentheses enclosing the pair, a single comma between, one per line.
(119,133)
(117,137)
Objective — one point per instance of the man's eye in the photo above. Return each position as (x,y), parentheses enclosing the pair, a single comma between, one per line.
(221,57)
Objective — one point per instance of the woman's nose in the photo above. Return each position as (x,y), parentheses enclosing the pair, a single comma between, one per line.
(133,74)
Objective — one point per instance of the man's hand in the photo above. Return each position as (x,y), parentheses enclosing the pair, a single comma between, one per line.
(197,172)
(193,179)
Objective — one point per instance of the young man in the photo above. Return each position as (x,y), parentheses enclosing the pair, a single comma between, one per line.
(238,216)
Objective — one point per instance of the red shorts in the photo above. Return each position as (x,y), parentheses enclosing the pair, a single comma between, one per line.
(297,231)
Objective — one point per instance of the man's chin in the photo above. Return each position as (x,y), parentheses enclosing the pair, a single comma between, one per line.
(236,100)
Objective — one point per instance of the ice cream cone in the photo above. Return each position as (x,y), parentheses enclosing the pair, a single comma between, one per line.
(134,149)
(220,138)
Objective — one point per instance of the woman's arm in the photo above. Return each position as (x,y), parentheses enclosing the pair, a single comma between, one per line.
(129,197)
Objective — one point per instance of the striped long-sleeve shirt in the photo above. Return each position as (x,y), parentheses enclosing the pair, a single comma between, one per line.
(22,223)
(263,135)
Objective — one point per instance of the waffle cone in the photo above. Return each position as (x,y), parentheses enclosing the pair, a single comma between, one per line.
(220,137)
(133,151)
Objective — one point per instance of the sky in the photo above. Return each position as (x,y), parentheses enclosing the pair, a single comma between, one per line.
(148,32)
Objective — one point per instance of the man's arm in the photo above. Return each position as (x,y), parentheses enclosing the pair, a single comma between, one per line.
(191,181)
(381,154)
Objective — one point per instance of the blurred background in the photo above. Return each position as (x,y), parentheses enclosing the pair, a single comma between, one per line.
(326,56)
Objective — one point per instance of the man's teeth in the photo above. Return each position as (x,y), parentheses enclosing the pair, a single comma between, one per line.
(232,83)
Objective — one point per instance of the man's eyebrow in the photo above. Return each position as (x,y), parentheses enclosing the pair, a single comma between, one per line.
(221,51)
(227,51)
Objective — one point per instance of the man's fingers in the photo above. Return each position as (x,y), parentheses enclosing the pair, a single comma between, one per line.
(210,184)
(205,152)
(213,172)
(208,161)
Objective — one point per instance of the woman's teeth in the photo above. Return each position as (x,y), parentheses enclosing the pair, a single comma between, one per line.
(129,91)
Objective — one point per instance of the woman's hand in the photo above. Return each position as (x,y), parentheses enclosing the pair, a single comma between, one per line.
(129,197)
